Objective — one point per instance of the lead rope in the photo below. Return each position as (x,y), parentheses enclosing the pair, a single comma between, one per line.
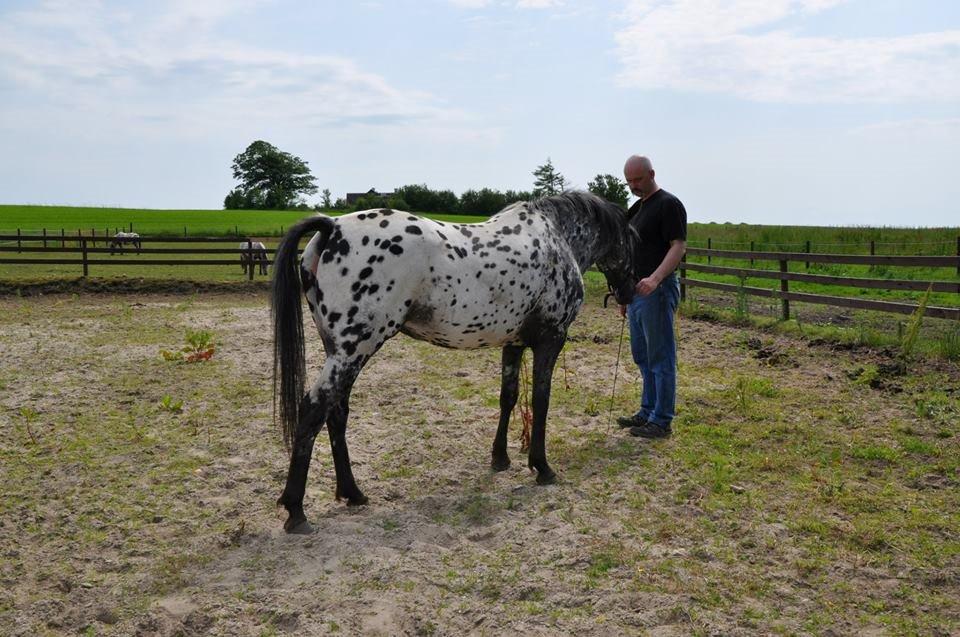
(616,369)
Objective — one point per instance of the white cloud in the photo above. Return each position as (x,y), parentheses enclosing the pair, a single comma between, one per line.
(911,129)
(739,47)
(166,67)
(519,4)
(538,4)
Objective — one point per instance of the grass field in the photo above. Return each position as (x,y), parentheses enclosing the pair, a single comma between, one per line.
(261,223)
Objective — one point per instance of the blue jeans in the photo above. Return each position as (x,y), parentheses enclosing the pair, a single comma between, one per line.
(655,350)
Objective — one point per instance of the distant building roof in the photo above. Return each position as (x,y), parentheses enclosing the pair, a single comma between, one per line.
(352,197)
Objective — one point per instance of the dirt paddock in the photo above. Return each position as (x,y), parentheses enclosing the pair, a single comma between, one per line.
(807,490)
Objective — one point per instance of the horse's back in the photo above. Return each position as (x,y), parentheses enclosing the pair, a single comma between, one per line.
(456,285)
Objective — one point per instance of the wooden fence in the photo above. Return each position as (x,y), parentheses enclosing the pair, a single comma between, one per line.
(86,248)
(94,251)
(785,276)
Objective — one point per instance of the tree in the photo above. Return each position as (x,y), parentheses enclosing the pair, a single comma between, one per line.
(483,202)
(610,188)
(326,200)
(269,178)
(548,181)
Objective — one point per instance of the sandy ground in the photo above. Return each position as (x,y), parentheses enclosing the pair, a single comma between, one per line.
(445,547)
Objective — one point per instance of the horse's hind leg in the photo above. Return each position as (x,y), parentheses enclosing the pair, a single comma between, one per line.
(544,359)
(337,428)
(312,416)
(509,375)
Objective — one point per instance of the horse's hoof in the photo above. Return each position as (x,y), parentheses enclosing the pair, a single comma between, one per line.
(500,464)
(356,500)
(298,527)
(546,477)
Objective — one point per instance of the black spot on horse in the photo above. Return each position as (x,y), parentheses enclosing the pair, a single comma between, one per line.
(334,317)
(366,272)
(365,240)
(413,230)
(506,230)
(395,249)
(442,236)
(384,223)
(396,238)
(465,232)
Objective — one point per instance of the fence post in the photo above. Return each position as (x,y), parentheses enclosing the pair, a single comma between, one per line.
(63,239)
(808,252)
(250,258)
(708,248)
(44,237)
(83,248)
(958,255)
(683,275)
(131,226)
(784,301)
(873,248)
(18,242)
(751,250)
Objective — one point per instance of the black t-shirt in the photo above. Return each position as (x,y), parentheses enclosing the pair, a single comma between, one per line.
(658,219)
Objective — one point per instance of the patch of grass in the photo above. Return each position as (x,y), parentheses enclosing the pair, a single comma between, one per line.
(874,452)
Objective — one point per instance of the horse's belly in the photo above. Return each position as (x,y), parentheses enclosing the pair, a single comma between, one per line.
(461,330)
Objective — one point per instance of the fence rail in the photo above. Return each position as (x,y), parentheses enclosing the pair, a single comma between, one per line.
(84,249)
(785,276)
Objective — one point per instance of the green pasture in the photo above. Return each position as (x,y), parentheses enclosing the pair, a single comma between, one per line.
(267,225)
(259,223)
(825,239)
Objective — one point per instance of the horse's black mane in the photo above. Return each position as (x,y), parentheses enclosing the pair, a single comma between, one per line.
(593,226)
(609,219)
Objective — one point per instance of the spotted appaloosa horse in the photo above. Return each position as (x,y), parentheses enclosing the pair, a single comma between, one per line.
(119,239)
(253,253)
(513,281)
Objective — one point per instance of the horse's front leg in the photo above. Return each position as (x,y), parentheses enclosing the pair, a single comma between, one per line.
(509,375)
(312,416)
(544,359)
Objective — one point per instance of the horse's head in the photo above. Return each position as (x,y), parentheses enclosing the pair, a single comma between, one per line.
(617,266)
(616,263)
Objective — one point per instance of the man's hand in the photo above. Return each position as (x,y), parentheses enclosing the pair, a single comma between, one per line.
(647,286)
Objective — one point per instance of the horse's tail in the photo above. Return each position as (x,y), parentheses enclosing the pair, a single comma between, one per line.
(289,366)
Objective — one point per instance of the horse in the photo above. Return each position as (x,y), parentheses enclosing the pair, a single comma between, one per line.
(253,253)
(116,243)
(513,281)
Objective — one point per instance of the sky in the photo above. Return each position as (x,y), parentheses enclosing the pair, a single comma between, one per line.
(810,112)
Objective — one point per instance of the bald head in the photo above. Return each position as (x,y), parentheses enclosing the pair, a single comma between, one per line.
(639,174)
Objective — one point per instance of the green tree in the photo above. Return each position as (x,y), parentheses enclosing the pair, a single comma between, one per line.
(517,195)
(269,178)
(610,188)
(325,198)
(483,202)
(548,181)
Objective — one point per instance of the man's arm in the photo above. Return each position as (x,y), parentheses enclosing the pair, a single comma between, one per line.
(678,247)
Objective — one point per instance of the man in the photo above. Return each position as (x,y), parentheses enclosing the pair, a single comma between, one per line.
(661,221)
